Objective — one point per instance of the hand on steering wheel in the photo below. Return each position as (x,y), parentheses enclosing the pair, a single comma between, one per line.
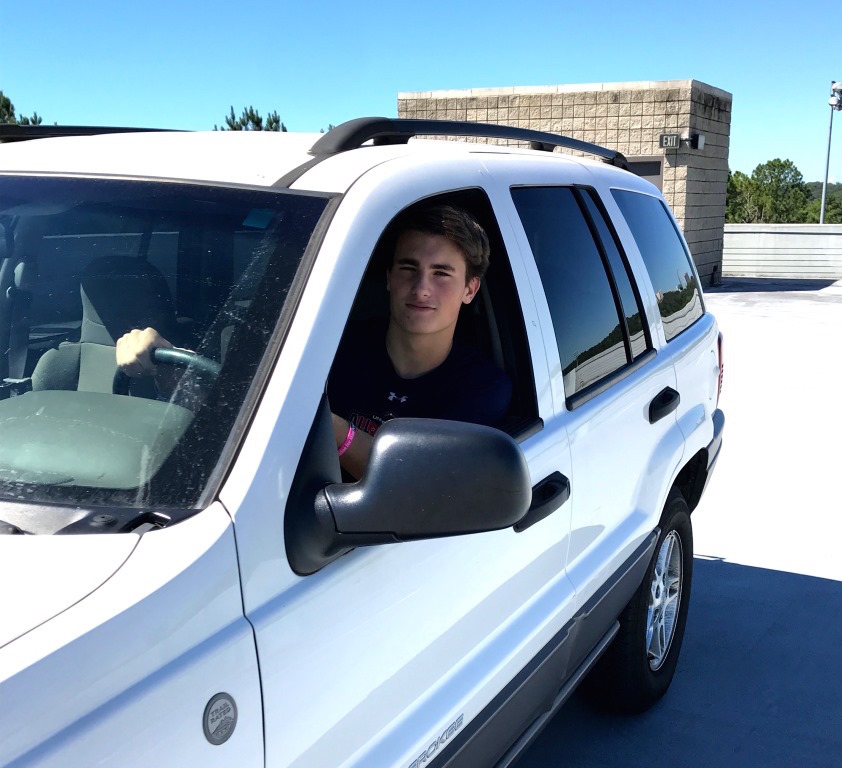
(202,367)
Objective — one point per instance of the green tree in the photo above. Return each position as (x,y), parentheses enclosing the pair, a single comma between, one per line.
(742,203)
(815,189)
(832,213)
(775,193)
(833,208)
(782,193)
(251,120)
(7,113)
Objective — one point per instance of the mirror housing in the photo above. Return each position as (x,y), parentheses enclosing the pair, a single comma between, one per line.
(426,478)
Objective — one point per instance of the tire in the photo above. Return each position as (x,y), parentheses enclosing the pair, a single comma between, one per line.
(637,668)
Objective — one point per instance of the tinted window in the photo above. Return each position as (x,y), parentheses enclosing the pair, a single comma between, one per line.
(672,274)
(587,326)
(622,277)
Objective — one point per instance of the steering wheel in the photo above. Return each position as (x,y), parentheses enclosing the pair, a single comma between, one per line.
(203,367)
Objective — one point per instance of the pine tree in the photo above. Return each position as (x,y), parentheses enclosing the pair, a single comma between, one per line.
(251,120)
(7,113)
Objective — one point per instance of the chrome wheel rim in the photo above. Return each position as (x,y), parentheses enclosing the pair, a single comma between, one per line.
(664,600)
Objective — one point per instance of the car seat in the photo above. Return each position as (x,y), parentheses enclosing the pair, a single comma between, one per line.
(118,294)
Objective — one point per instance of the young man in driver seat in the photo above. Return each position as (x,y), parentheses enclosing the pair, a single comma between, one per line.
(413,367)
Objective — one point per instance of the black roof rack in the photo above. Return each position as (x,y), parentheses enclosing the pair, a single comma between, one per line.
(385,130)
(12,132)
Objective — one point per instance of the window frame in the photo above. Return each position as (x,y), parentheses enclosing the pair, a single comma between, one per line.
(600,206)
(517,361)
(684,247)
(575,400)
(172,512)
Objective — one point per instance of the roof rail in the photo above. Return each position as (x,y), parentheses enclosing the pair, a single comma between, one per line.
(12,132)
(385,130)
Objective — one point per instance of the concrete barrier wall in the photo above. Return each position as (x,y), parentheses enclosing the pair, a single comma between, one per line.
(807,251)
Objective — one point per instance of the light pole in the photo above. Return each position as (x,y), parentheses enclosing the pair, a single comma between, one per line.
(835,102)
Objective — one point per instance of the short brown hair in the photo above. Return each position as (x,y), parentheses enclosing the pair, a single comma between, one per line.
(457,225)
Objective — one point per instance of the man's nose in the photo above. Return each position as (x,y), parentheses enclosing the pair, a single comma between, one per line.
(421,286)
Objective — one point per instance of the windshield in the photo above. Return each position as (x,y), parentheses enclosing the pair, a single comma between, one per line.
(84,261)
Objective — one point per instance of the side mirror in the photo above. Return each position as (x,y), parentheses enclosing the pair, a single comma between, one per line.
(425,479)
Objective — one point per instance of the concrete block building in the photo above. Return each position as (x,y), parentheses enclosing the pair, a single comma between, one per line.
(674,132)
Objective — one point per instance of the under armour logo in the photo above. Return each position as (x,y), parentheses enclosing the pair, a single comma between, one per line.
(393,396)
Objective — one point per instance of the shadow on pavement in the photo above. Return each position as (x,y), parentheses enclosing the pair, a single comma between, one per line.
(758,684)
(767,285)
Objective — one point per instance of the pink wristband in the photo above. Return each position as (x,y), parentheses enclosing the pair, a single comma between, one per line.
(352,430)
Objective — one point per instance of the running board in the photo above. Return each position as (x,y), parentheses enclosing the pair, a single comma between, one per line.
(532,733)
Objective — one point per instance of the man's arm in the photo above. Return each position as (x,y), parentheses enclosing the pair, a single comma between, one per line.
(355,458)
(134,358)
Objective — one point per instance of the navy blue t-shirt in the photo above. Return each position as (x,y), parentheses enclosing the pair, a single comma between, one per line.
(365,388)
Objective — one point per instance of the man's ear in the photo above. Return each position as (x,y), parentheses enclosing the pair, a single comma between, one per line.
(471,290)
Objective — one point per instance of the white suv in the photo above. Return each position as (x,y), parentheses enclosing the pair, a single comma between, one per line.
(189,581)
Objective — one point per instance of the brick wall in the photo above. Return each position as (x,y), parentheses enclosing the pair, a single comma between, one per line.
(628,117)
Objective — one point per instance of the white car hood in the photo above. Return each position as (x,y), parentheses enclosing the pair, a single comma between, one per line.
(42,576)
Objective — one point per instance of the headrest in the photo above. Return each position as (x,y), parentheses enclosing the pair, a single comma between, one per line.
(121,293)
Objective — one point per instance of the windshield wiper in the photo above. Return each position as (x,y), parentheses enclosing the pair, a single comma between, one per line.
(7,529)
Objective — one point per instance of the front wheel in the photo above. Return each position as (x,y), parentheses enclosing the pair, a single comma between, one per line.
(639,665)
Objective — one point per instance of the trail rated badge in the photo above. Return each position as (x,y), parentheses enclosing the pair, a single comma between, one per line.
(220,718)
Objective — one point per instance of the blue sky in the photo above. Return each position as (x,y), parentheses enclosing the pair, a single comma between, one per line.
(184,64)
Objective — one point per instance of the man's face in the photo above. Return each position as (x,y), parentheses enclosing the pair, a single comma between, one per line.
(427,284)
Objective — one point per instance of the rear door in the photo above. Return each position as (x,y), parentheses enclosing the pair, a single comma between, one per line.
(606,373)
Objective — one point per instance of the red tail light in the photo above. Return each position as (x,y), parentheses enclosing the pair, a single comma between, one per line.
(721,366)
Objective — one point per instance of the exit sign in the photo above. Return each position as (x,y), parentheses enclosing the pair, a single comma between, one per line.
(669,140)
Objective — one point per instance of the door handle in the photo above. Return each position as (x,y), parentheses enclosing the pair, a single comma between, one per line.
(547,497)
(665,402)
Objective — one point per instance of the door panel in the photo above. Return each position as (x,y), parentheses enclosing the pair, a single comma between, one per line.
(605,374)
(390,645)
(620,463)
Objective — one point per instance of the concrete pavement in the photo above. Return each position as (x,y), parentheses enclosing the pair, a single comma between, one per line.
(759,679)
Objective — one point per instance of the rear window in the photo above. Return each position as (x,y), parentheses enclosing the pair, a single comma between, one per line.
(84,261)
(672,273)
